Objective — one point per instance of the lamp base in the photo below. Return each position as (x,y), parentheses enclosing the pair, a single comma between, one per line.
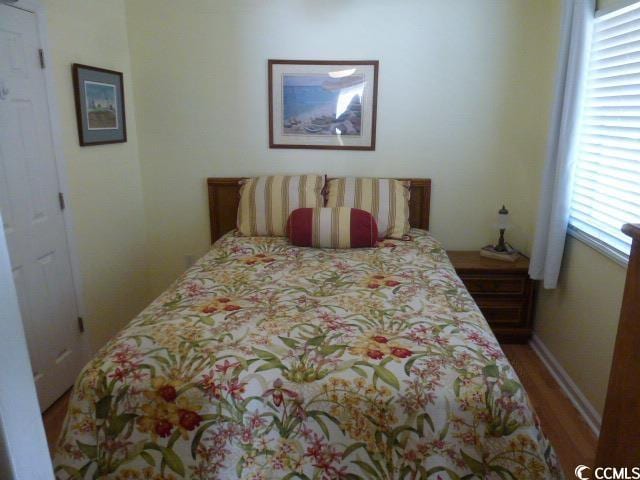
(510,254)
(501,246)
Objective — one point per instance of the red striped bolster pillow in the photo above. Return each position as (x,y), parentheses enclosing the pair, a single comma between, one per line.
(338,227)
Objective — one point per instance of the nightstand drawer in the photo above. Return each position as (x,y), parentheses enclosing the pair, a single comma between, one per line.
(503,291)
(494,284)
(502,313)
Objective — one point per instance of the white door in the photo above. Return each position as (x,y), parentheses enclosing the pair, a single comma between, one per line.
(31,211)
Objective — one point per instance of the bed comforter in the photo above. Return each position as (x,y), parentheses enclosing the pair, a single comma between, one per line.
(266,360)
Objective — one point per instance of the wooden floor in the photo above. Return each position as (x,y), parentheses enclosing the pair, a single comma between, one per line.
(53,418)
(572,439)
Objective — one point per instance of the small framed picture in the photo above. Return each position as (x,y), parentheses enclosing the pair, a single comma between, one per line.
(323,104)
(99,96)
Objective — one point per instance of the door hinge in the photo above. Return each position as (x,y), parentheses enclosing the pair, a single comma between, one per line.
(81,324)
(41,57)
(61,200)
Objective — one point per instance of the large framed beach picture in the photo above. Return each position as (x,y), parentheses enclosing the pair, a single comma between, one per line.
(99,96)
(323,104)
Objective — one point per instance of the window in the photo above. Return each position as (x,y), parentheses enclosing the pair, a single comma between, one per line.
(606,182)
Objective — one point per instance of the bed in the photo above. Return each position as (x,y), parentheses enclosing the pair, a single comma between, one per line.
(266,360)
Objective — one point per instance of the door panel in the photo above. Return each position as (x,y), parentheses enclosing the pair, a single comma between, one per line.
(33,222)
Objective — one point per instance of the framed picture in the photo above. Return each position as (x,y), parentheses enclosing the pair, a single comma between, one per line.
(323,104)
(99,95)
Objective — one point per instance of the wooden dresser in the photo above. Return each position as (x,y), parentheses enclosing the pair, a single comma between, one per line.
(503,291)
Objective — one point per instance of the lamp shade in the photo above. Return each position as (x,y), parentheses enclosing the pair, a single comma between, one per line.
(503,218)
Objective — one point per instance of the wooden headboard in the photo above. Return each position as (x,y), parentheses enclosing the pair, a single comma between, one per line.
(224,197)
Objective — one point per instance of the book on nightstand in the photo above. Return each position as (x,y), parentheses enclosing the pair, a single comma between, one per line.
(509,255)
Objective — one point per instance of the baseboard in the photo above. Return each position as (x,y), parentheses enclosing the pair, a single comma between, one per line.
(584,406)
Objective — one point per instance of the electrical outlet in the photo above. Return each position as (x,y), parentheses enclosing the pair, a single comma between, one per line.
(189,260)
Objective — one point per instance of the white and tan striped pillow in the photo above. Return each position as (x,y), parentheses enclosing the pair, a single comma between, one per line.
(266,202)
(385,198)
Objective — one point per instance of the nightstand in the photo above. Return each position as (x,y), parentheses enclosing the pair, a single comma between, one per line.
(503,291)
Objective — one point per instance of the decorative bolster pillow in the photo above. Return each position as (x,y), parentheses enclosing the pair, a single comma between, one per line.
(339,227)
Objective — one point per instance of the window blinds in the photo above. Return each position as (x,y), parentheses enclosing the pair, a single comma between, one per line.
(606,184)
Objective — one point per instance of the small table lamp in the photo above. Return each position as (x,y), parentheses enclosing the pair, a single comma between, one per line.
(501,251)
(503,224)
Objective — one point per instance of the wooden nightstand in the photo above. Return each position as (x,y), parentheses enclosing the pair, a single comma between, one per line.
(503,291)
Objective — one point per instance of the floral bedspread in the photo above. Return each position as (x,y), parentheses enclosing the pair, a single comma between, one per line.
(266,360)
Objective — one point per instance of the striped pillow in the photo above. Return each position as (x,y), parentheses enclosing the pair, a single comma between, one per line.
(266,202)
(339,227)
(385,198)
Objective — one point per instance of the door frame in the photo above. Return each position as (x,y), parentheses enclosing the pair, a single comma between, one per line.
(39,10)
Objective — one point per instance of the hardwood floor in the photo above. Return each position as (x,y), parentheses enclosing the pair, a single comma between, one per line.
(572,439)
(53,418)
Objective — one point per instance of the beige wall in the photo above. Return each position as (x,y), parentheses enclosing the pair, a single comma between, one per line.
(464,94)
(578,321)
(105,186)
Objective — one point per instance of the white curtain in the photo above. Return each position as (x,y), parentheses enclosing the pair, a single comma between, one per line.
(553,212)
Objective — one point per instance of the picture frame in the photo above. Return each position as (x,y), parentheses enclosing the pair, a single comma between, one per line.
(323,104)
(100,106)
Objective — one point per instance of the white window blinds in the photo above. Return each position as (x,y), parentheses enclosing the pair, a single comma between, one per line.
(606,185)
